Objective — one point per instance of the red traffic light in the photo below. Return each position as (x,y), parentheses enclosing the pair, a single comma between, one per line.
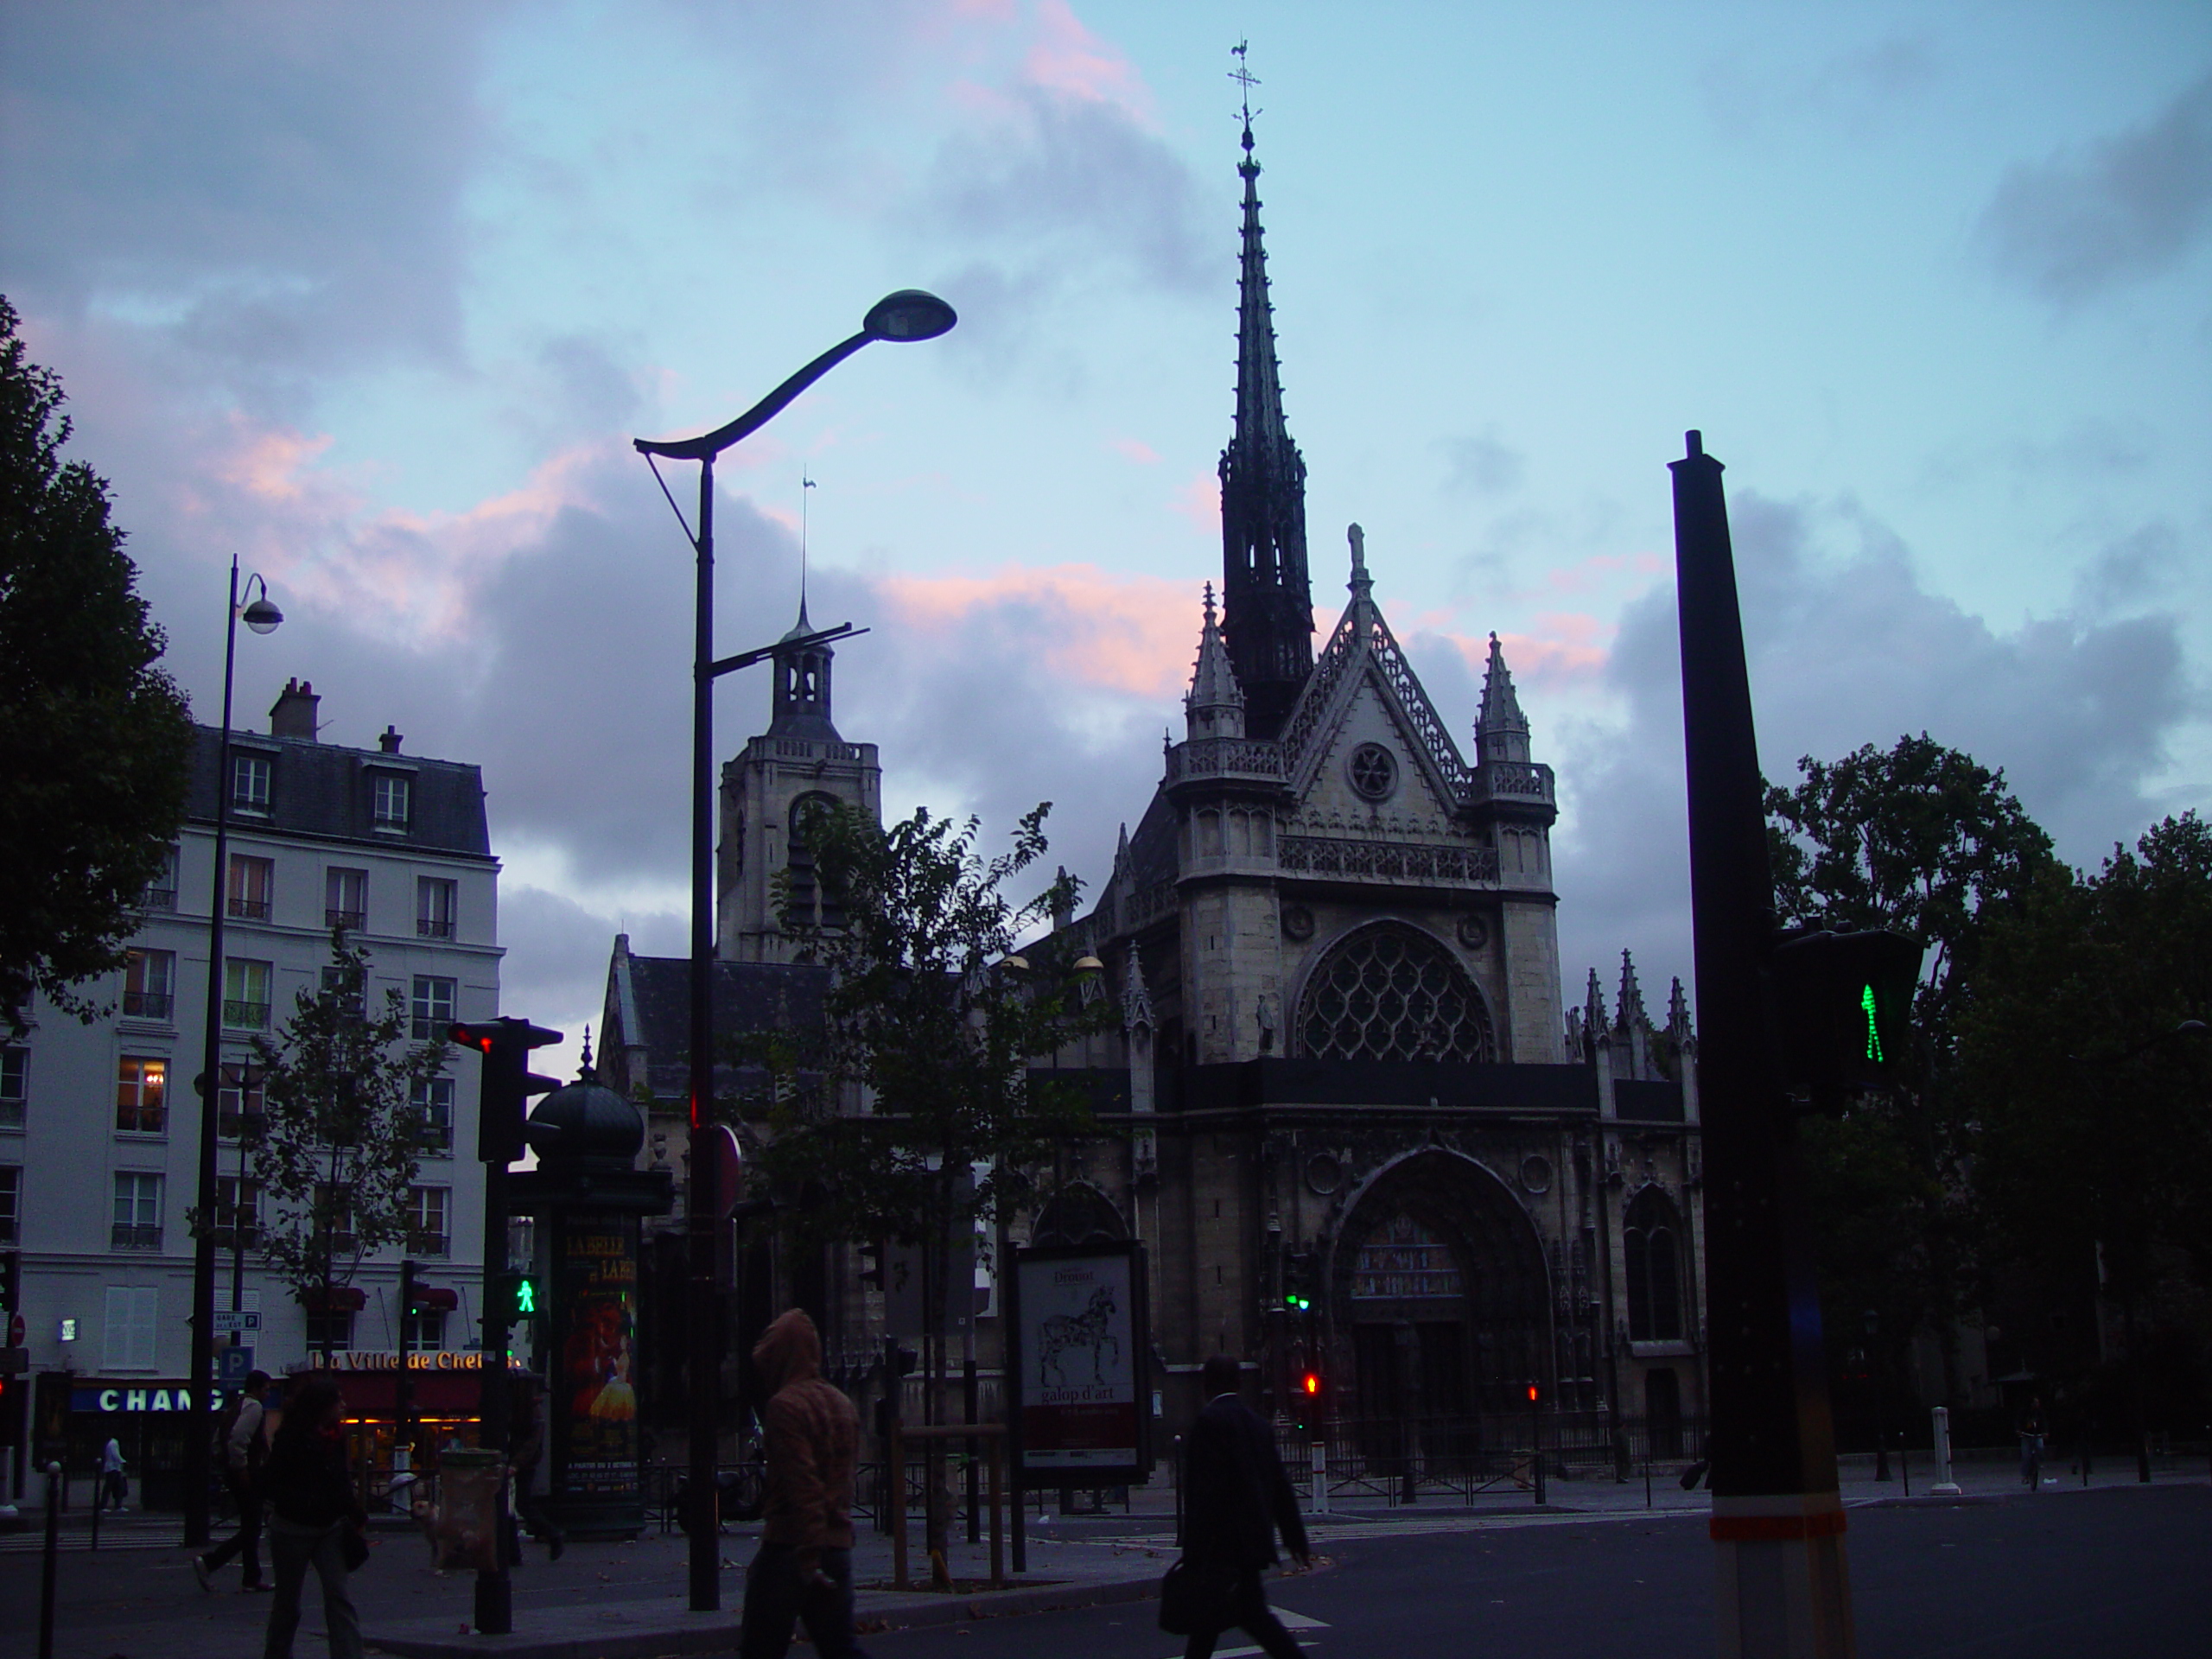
(1312,1382)
(1532,1394)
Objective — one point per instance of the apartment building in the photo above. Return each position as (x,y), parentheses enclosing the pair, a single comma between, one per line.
(99,1124)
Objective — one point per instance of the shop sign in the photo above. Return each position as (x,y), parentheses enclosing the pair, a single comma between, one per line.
(137,1397)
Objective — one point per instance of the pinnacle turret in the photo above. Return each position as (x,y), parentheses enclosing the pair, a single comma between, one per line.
(1678,1015)
(1214,707)
(1501,729)
(1630,1011)
(1594,1006)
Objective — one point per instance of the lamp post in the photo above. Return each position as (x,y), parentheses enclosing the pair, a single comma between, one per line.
(1875,1367)
(261,616)
(907,315)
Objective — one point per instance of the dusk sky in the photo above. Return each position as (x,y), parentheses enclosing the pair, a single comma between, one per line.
(376,296)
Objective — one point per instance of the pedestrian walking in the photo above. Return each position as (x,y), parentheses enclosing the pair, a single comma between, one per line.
(1240,1496)
(243,1452)
(312,1511)
(804,1566)
(2032,1432)
(525,1451)
(114,1484)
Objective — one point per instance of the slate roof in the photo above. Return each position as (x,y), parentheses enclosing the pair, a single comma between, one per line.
(654,1012)
(323,791)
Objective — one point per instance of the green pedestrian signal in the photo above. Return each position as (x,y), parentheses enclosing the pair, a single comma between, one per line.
(1843,1001)
(526,1292)
(1873,1025)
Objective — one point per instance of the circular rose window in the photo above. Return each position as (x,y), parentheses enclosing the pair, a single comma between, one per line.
(1536,1174)
(1373,770)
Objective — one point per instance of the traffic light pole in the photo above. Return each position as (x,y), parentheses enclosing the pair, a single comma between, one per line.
(495,1610)
(1778,1517)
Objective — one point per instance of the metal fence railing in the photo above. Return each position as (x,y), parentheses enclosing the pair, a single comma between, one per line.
(1407,1459)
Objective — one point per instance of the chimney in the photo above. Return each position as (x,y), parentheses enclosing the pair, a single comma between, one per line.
(293,714)
(391,740)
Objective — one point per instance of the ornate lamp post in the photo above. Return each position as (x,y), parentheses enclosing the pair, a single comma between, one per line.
(260,615)
(907,315)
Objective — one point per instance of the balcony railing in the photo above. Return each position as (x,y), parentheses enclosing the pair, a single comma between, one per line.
(421,1243)
(228,1124)
(436,1137)
(245,1016)
(247,909)
(136,1236)
(430,927)
(11,1113)
(147,1005)
(157,899)
(351,920)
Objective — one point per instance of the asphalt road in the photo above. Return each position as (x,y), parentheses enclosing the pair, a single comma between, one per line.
(2060,1575)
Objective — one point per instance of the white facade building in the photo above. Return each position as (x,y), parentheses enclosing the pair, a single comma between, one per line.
(99,1124)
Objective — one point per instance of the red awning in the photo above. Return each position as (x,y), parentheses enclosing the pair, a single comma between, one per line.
(436,1299)
(333,1298)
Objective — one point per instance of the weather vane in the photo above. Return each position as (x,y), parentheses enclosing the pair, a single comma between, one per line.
(804,485)
(1242,75)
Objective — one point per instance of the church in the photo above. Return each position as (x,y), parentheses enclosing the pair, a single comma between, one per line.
(1346,1108)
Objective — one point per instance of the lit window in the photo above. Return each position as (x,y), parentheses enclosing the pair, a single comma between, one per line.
(137,1211)
(246,994)
(389,800)
(141,1095)
(433,1007)
(434,903)
(252,882)
(346,898)
(250,782)
(148,984)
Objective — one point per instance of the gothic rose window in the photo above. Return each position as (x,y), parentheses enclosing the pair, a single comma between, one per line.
(1373,771)
(1391,993)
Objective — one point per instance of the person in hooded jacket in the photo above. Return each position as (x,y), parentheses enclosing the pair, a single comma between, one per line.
(312,1502)
(805,1567)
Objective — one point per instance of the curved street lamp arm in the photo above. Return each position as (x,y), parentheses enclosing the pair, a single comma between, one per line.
(708,445)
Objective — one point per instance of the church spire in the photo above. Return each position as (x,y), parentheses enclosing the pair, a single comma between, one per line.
(1215,703)
(1266,601)
(1501,729)
(1631,1001)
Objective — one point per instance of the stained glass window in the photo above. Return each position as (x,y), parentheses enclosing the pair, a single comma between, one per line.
(1404,1261)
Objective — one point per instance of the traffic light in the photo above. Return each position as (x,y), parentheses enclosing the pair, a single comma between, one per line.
(1844,1003)
(509,1083)
(518,1297)
(1297,1304)
(1309,1405)
(1533,1394)
(871,1265)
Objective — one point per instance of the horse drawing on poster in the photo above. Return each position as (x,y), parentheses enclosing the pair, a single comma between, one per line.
(1088,1329)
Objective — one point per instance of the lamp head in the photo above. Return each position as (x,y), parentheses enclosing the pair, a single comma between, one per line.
(261,616)
(908,315)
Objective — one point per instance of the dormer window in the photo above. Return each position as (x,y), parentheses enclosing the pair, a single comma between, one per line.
(389,800)
(250,782)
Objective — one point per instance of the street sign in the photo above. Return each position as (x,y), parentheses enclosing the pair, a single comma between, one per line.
(233,1366)
(17,1330)
(228,1324)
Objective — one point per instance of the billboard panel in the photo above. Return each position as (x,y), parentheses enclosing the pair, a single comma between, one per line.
(1080,1335)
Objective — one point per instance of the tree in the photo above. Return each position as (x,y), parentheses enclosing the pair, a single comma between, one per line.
(2092,1099)
(95,740)
(1923,840)
(930,1018)
(336,1152)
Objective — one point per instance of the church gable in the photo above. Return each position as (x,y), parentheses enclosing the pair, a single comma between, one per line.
(1365,769)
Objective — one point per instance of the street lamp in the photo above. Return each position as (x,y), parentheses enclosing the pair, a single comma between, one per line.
(906,316)
(261,616)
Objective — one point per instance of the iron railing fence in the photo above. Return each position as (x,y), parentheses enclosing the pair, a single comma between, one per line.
(1404,1459)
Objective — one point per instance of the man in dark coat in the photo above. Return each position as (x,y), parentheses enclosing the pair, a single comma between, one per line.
(804,1569)
(1239,1497)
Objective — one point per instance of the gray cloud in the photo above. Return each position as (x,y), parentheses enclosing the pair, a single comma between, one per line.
(1075,183)
(2126,207)
(270,189)
(1750,100)
(1481,466)
(1847,648)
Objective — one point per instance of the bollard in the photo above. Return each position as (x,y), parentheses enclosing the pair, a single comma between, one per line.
(1320,1477)
(1944,1486)
(46,1572)
(99,1491)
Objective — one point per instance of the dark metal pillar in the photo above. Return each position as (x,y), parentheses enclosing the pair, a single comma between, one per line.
(1778,1518)
(494,1592)
(703,1369)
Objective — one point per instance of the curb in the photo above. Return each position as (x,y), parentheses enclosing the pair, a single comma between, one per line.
(718,1632)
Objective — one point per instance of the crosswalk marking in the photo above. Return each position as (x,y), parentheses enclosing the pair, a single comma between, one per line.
(1290,1622)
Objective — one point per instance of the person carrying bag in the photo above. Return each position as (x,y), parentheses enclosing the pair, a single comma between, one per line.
(315,1520)
(1240,1496)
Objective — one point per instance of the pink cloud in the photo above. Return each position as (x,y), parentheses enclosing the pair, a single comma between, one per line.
(1199,501)
(1567,645)
(1068,57)
(1137,450)
(1133,635)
